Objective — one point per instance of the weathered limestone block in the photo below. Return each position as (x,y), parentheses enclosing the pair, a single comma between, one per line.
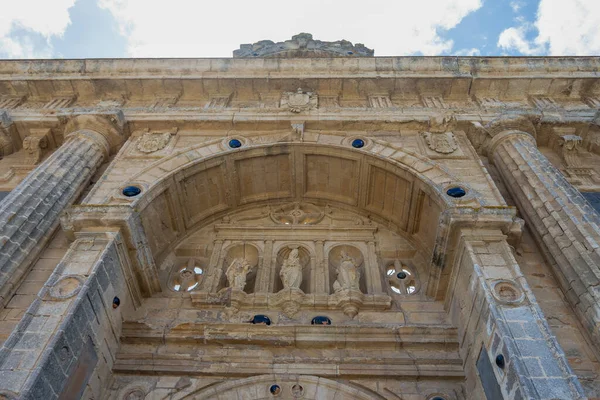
(30,213)
(65,345)
(564,225)
(498,316)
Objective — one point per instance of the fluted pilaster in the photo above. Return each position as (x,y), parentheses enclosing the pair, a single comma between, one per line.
(30,213)
(564,225)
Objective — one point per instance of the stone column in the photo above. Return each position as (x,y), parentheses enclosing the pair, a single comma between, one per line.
(564,225)
(321,277)
(213,273)
(30,213)
(372,271)
(263,275)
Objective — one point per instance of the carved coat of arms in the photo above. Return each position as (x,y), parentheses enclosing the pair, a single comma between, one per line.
(299,101)
(151,142)
(444,143)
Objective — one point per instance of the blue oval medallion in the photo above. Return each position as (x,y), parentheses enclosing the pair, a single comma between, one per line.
(358,143)
(235,143)
(131,191)
(456,192)
(320,320)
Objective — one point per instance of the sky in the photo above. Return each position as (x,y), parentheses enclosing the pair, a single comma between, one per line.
(202,28)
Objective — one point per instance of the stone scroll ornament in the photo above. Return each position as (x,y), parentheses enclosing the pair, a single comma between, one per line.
(237,272)
(299,101)
(153,141)
(291,271)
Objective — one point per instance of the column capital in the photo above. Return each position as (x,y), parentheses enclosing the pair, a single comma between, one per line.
(93,136)
(110,126)
(485,137)
(507,134)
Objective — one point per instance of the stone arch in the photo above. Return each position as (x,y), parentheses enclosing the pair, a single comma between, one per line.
(208,180)
(257,388)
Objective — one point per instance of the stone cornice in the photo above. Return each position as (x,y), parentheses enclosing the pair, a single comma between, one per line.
(382,67)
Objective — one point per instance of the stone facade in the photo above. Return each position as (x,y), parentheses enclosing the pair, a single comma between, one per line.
(301,221)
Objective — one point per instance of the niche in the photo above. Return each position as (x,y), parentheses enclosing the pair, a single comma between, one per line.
(303,258)
(346,269)
(240,266)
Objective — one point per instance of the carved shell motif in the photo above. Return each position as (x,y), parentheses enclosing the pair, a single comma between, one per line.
(151,142)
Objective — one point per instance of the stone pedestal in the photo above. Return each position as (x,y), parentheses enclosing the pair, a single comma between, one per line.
(508,349)
(30,213)
(564,225)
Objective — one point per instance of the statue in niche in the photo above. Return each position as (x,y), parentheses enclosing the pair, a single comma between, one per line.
(348,274)
(291,271)
(236,273)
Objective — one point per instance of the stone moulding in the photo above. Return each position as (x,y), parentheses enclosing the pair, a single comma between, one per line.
(436,346)
(292,301)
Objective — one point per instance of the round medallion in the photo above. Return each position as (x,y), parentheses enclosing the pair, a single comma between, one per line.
(297,391)
(275,390)
(131,191)
(135,394)
(358,143)
(508,292)
(66,287)
(235,143)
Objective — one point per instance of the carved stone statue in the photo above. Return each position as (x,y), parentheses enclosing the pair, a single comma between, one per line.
(348,274)
(291,271)
(236,273)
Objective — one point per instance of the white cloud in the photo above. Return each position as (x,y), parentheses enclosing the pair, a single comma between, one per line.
(565,27)
(190,29)
(569,27)
(514,39)
(468,52)
(45,17)
(516,5)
